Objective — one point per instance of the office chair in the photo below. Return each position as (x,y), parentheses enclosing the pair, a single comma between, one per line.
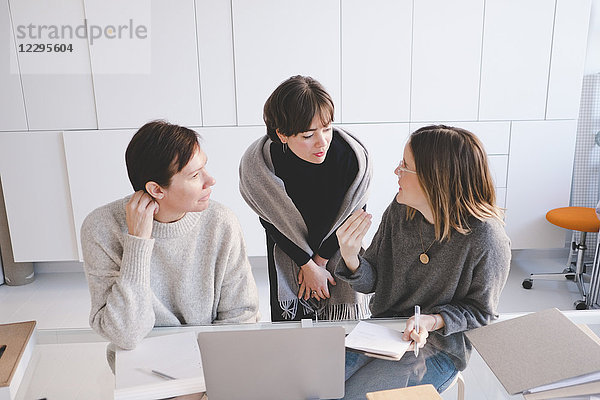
(581,219)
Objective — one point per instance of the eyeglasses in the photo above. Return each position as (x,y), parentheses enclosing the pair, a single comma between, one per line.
(402,168)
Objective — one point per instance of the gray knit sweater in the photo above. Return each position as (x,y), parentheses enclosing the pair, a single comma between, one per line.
(193,271)
(462,280)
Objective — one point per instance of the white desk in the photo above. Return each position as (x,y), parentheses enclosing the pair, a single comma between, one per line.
(71,363)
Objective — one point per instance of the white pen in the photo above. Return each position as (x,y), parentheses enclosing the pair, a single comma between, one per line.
(163,375)
(417,317)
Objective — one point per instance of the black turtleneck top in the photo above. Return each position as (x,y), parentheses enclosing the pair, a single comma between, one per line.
(317,191)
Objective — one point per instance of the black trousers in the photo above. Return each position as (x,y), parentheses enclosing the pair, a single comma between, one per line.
(276,310)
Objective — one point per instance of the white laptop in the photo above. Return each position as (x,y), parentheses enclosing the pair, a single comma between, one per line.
(291,364)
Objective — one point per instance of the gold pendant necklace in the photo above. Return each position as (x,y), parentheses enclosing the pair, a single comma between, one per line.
(423,257)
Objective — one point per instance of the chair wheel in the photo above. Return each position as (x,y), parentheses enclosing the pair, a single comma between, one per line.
(580,305)
(527,283)
(570,277)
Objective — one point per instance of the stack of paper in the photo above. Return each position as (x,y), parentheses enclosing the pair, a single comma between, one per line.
(146,372)
(19,339)
(538,354)
(377,341)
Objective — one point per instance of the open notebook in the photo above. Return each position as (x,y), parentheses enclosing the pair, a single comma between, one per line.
(174,356)
(377,341)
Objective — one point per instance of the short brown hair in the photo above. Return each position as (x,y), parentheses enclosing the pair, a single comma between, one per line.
(158,151)
(452,169)
(293,105)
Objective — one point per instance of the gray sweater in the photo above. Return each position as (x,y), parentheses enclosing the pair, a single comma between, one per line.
(462,280)
(193,271)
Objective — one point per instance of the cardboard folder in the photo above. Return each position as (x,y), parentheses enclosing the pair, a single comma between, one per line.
(19,340)
(421,392)
(536,349)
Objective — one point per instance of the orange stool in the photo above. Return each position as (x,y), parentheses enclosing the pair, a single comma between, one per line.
(581,219)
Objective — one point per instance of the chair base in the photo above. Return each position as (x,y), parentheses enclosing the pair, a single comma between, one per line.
(594,286)
(461,386)
(574,272)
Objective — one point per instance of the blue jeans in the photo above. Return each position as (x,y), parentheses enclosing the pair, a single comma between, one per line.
(366,374)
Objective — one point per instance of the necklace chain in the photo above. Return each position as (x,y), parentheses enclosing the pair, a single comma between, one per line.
(423,257)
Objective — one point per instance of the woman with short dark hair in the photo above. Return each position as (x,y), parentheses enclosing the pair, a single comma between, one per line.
(303,179)
(166,255)
(440,245)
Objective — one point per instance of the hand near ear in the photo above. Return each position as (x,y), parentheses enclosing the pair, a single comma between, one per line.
(140,212)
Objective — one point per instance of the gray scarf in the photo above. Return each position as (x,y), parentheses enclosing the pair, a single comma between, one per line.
(265,194)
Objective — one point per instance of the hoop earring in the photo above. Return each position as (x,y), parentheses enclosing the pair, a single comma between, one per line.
(284,146)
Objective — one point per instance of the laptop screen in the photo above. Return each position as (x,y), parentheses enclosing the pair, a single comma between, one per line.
(294,364)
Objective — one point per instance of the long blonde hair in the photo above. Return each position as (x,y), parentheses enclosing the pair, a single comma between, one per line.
(453,171)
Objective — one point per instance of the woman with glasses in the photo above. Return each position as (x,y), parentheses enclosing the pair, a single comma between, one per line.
(440,245)
(303,179)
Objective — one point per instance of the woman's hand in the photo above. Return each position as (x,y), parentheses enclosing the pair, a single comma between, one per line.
(350,236)
(427,323)
(139,214)
(320,261)
(313,281)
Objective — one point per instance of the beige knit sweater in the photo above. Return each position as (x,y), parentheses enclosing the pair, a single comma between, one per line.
(193,271)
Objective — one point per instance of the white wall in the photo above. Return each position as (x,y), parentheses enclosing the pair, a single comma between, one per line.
(592,61)
(390,66)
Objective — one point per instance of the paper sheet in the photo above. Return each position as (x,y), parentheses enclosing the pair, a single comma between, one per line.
(176,355)
(377,339)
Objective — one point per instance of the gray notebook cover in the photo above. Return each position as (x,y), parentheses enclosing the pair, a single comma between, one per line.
(535,349)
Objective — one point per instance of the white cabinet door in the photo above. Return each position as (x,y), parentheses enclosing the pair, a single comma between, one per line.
(446,60)
(385,143)
(97,173)
(36,193)
(539,179)
(517,40)
(501,197)
(224,148)
(149,76)
(275,39)
(499,169)
(57,86)
(376,46)
(215,52)
(569,47)
(495,136)
(12,106)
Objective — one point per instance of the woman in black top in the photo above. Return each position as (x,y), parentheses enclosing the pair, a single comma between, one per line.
(303,179)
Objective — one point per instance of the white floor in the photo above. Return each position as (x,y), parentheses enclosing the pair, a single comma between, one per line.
(544,294)
(61,300)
